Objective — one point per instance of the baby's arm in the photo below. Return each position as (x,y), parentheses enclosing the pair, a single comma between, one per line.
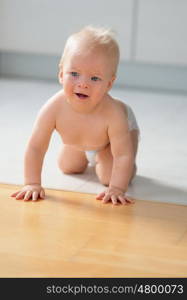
(123,159)
(122,152)
(35,152)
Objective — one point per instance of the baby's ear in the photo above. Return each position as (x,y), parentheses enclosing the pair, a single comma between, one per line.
(111,81)
(60,76)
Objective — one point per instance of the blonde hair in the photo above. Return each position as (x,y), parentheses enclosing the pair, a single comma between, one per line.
(95,38)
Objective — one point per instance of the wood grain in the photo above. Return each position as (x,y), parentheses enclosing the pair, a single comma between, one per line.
(73,235)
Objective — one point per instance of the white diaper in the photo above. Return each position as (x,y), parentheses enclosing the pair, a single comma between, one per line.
(133,125)
(90,155)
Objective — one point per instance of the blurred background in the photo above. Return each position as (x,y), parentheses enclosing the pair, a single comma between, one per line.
(152,79)
(151,33)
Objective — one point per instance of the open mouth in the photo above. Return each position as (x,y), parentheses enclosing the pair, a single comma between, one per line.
(81,96)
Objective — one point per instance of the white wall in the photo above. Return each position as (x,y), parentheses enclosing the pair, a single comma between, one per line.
(151,31)
(42,26)
(162,31)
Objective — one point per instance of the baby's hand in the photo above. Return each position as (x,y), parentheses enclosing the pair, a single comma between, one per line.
(30,191)
(114,194)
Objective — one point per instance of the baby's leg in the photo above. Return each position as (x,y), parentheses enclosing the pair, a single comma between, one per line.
(71,160)
(105,160)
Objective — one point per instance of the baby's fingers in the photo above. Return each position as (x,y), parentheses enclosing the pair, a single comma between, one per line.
(20,195)
(114,199)
(42,194)
(122,199)
(129,200)
(106,198)
(14,194)
(28,195)
(35,196)
(100,196)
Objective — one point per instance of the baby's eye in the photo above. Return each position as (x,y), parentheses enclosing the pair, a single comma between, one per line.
(74,74)
(95,78)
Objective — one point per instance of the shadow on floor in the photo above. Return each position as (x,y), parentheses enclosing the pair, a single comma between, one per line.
(146,188)
(143,188)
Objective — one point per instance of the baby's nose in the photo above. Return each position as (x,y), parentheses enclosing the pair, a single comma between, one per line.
(83,83)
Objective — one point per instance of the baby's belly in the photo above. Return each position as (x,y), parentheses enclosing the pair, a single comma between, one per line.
(96,140)
(87,147)
(84,145)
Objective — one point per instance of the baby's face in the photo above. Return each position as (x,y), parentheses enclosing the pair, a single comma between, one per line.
(86,79)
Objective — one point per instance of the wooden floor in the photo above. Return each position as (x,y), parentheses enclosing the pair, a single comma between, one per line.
(73,235)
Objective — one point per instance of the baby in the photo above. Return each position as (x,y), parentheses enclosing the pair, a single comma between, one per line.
(94,127)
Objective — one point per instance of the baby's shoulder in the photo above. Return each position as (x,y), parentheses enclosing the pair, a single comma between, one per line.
(50,110)
(116,107)
(56,100)
(54,103)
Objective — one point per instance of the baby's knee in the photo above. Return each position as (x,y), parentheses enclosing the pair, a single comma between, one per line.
(71,162)
(70,170)
(104,181)
(103,176)
(66,171)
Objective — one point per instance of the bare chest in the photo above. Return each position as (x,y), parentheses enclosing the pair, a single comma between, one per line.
(83,132)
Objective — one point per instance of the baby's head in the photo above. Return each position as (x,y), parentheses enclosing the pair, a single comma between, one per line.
(88,67)
(93,40)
